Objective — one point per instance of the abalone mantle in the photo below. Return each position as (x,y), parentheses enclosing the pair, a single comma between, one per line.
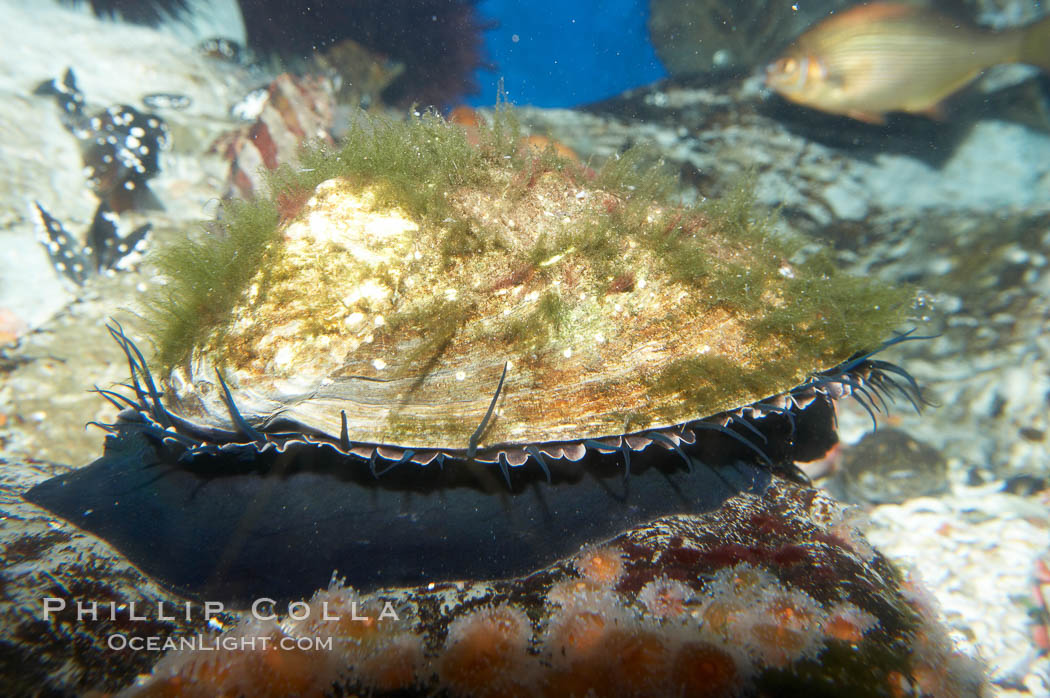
(365,315)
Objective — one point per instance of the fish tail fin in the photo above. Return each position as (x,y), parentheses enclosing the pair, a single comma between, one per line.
(1035,45)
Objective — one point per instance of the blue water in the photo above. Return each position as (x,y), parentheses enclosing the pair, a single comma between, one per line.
(555,54)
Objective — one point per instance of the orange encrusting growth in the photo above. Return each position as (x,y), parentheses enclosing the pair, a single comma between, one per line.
(627,618)
(848,623)
(669,638)
(665,598)
(704,670)
(259,666)
(601,565)
(486,654)
(536,143)
(394,666)
(576,634)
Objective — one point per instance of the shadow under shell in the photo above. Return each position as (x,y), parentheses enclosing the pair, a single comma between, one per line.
(228,528)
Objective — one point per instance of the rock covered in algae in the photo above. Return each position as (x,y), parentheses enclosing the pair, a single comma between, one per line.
(772,595)
(389,286)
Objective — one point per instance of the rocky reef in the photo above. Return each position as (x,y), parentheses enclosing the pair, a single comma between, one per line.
(775,594)
(890,465)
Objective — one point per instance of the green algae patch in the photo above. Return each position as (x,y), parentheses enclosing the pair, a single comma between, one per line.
(409,266)
(206,276)
(831,310)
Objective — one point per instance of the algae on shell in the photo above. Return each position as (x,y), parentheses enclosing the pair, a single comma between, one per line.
(613,309)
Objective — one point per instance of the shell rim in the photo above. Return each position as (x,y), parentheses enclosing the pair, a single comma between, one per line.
(872,382)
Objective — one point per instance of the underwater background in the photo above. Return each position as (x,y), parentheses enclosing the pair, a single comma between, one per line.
(947,195)
(557,56)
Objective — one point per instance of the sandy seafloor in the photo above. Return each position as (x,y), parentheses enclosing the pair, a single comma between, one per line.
(969,225)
